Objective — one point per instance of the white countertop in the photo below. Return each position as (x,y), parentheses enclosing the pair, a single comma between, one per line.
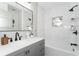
(14,46)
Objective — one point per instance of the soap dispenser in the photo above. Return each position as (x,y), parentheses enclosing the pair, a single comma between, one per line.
(11,40)
(4,40)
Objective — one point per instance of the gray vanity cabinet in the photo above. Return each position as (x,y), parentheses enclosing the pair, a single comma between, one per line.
(35,49)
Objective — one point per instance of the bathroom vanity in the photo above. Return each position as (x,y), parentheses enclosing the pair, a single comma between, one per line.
(25,47)
(19,18)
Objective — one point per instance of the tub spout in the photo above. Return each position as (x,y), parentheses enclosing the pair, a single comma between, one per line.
(74,44)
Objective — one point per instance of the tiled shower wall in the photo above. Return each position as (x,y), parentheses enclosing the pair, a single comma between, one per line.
(58,37)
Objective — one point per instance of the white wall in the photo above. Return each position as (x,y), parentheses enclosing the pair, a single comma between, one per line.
(34,9)
(40,22)
(55,36)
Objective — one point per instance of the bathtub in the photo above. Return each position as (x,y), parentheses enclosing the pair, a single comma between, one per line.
(52,51)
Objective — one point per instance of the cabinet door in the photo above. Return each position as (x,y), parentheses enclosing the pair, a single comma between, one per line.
(31,50)
(36,49)
(41,47)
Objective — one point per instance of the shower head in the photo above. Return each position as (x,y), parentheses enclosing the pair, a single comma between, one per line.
(71,10)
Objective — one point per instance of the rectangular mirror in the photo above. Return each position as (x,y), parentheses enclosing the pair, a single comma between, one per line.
(14,16)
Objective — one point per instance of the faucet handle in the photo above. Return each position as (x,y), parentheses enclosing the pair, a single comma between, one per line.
(11,40)
(20,37)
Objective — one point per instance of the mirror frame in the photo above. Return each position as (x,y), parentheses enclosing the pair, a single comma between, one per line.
(31,20)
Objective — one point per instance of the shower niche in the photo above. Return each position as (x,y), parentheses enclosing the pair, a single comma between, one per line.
(57,21)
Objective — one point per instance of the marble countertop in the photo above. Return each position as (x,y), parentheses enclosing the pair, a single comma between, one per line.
(14,46)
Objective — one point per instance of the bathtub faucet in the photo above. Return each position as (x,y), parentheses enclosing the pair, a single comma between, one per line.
(74,44)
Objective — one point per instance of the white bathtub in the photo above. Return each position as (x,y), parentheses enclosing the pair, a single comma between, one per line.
(51,51)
